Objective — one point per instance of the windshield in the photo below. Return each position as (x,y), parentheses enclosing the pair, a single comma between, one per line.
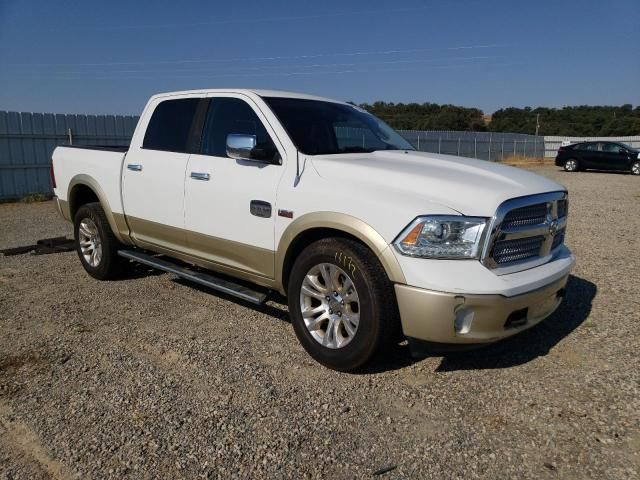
(628,147)
(326,128)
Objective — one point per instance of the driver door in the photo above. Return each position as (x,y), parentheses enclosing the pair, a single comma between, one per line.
(222,227)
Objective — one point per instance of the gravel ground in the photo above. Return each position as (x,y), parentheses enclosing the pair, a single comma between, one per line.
(151,377)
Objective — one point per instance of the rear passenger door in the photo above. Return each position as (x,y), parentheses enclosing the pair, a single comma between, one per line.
(153,176)
(589,155)
(230,205)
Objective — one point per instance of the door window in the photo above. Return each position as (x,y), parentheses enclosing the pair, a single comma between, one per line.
(170,125)
(590,147)
(231,116)
(612,148)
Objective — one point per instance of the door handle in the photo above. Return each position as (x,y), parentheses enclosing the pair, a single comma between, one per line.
(135,167)
(200,176)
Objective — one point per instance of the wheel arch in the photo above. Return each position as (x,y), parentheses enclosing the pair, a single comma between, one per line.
(315,226)
(85,189)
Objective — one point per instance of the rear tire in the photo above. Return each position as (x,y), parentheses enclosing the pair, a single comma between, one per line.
(96,244)
(572,165)
(635,168)
(350,310)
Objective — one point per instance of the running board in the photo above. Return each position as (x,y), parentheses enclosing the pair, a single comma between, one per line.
(224,286)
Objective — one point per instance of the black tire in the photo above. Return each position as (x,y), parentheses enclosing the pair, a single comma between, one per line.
(379,322)
(567,165)
(110,265)
(635,168)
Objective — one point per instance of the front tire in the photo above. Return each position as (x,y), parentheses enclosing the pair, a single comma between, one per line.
(96,244)
(635,168)
(571,165)
(342,304)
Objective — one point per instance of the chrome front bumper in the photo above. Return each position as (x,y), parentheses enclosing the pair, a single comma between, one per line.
(452,318)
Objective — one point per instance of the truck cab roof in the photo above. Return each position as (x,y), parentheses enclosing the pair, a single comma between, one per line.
(247,91)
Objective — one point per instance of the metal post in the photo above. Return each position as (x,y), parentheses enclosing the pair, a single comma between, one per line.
(418,141)
(475,147)
(458,146)
(70,134)
(489,147)
(514,147)
(502,150)
(439,143)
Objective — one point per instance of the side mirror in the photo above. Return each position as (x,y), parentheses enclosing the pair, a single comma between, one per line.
(240,146)
(243,147)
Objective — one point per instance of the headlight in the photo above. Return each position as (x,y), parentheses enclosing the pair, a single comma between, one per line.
(440,236)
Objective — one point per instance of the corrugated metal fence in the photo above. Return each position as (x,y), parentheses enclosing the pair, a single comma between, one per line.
(553,143)
(28,139)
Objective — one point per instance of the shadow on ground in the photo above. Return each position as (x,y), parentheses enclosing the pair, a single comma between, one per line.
(517,350)
(533,343)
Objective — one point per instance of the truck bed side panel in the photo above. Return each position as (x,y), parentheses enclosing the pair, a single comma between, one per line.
(98,168)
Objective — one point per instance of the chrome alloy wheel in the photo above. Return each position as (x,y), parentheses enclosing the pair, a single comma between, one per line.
(571,165)
(330,306)
(635,168)
(90,243)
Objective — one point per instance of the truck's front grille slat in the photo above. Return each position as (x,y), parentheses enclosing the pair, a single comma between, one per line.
(526,229)
(558,239)
(525,216)
(507,251)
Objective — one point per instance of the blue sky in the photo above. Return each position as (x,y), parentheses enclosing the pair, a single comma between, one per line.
(109,56)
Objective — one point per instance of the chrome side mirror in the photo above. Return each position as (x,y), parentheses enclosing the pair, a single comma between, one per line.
(240,146)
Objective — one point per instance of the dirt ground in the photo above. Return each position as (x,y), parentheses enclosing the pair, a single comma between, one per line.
(151,377)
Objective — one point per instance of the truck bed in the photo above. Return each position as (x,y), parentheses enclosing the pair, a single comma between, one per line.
(100,167)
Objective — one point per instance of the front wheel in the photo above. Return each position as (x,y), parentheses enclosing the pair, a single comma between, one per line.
(96,244)
(571,165)
(635,168)
(342,304)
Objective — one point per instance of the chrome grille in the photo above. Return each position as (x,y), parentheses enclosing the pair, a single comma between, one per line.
(563,207)
(525,216)
(526,230)
(558,239)
(507,251)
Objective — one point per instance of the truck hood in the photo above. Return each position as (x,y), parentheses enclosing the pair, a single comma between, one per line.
(470,187)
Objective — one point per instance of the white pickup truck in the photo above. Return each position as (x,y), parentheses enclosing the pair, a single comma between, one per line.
(252,192)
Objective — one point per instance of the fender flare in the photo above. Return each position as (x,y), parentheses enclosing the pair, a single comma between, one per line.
(116,221)
(344,223)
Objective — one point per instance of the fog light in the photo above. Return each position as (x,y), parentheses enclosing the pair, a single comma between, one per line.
(462,323)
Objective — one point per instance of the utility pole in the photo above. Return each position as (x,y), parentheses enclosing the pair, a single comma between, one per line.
(537,123)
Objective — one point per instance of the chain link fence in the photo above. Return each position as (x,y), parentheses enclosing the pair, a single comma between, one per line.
(494,147)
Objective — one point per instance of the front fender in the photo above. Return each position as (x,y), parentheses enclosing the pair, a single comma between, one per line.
(344,223)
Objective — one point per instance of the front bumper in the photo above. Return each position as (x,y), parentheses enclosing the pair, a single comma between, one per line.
(458,318)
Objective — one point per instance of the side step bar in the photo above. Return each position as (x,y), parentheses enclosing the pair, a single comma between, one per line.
(225,286)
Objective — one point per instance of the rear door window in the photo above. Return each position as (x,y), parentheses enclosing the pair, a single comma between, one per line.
(591,147)
(170,126)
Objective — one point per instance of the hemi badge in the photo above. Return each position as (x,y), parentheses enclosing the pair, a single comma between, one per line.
(285,213)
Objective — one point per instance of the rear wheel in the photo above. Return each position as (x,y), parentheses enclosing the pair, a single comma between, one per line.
(341,303)
(635,168)
(571,165)
(96,245)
